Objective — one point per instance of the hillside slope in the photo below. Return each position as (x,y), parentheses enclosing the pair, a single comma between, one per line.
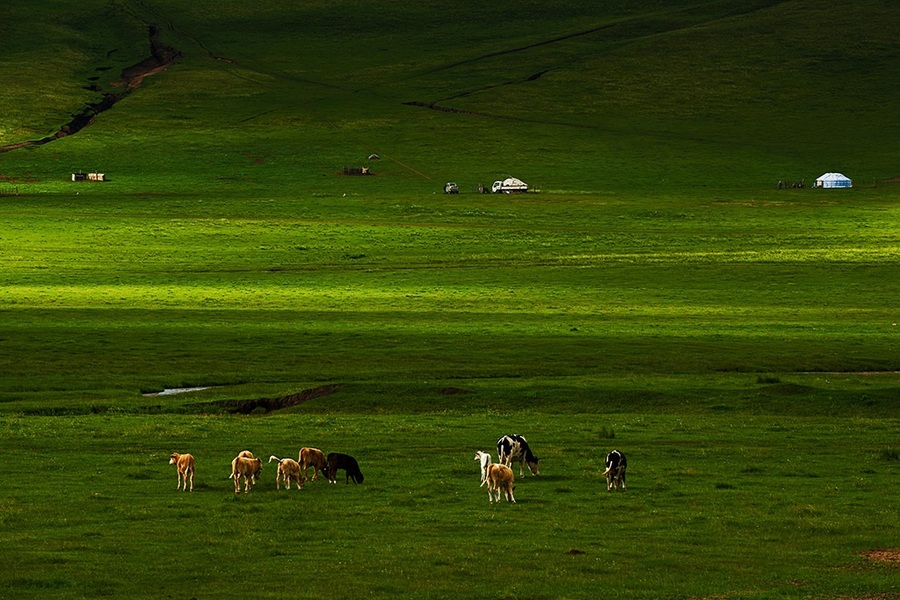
(639,95)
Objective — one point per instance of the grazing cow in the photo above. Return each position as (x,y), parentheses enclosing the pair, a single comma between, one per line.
(246,467)
(500,481)
(241,454)
(336,461)
(615,470)
(485,459)
(184,464)
(312,457)
(515,448)
(288,469)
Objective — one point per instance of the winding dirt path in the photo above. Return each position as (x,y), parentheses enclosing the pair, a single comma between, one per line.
(161,57)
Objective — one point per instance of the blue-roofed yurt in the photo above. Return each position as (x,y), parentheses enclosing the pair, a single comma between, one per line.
(833,180)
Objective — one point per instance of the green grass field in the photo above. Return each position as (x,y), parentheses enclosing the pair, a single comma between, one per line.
(659,295)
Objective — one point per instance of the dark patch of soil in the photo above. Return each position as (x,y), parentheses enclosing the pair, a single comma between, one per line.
(245,407)
(161,57)
(884,555)
(453,391)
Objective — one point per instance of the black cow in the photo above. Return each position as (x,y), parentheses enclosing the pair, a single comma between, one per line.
(615,470)
(515,448)
(336,461)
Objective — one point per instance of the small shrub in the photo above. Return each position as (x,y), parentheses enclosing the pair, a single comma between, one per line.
(607,433)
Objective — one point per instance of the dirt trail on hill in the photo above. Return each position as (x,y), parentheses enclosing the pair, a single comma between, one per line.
(161,57)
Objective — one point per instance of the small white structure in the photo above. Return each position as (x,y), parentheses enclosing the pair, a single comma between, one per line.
(509,185)
(833,180)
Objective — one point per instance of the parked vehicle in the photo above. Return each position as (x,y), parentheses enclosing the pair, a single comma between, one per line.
(510,185)
(451,188)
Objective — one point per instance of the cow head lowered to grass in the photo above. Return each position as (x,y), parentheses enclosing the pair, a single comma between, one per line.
(615,471)
(514,448)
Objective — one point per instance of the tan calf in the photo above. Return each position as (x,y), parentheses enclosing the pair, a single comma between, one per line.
(312,457)
(184,464)
(246,467)
(500,480)
(241,454)
(288,468)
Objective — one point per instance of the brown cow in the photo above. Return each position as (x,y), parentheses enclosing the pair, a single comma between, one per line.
(246,467)
(312,457)
(500,480)
(241,454)
(288,468)
(184,464)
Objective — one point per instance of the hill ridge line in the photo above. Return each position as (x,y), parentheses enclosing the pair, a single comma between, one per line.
(741,9)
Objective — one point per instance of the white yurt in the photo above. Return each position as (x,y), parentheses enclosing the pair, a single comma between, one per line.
(833,180)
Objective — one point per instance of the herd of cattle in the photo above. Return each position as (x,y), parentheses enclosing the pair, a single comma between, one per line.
(247,468)
(499,477)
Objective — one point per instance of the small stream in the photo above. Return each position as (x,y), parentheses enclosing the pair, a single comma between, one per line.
(173,391)
(161,56)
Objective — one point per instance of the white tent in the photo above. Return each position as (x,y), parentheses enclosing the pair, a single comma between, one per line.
(833,180)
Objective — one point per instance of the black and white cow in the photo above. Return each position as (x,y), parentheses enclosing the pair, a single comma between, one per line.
(615,470)
(514,448)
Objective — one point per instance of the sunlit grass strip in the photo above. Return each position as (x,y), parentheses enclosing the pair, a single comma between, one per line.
(851,254)
(534,298)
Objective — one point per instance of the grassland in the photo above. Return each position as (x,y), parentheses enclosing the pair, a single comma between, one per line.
(659,295)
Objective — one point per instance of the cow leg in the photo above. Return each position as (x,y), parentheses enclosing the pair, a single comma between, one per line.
(192,480)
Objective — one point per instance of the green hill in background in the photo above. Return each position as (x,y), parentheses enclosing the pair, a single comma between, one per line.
(609,95)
